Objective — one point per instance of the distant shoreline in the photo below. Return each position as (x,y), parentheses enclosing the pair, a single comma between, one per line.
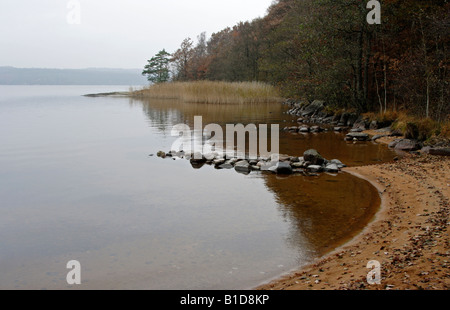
(89,76)
(111,94)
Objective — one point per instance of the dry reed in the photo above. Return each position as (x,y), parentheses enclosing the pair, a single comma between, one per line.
(212,92)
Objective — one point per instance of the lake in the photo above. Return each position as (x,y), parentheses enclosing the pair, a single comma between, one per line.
(77,182)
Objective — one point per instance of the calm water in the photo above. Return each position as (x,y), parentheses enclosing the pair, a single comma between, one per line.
(77,183)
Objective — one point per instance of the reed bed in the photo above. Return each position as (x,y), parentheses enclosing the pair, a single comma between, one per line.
(212,92)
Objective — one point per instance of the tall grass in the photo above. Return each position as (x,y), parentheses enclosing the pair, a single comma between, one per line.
(412,127)
(212,92)
(421,129)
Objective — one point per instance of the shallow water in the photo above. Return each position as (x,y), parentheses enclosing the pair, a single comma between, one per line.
(77,183)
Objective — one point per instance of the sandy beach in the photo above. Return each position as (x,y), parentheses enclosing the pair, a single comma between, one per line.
(408,236)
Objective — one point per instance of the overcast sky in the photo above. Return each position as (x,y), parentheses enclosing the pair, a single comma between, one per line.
(111,33)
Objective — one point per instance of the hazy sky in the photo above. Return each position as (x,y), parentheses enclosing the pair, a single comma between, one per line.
(111,33)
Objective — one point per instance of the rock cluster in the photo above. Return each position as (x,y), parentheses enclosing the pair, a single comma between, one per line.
(316,113)
(309,164)
(410,145)
(314,117)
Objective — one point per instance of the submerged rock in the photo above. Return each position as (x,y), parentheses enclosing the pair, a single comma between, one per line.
(358,136)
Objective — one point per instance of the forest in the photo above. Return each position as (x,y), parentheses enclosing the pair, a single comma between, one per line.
(327,50)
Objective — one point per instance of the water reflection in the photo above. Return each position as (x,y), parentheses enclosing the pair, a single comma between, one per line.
(164,114)
(316,207)
(327,209)
(76,182)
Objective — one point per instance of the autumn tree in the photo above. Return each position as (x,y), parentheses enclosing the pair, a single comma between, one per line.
(328,49)
(182,60)
(199,60)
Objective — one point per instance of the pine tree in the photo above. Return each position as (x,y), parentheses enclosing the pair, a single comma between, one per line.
(157,69)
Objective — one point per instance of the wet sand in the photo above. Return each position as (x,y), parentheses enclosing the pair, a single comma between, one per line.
(408,236)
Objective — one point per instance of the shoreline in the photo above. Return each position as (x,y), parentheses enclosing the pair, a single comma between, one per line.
(408,235)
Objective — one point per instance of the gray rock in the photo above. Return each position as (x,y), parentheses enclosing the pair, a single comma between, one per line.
(261,163)
(338,163)
(304,129)
(359,136)
(394,143)
(218,162)
(333,168)
(313,107)
(344,119)
(316,129)
(396,133)
(281,168)
(407,145)
(328,119)
(210,156)
(295,159)
(232,161)
(242,166)
(297,165)
(267,165)
(360,123)
(426,149)
(352,118)
(376,137)
(313,157)
(226,166)
(283,158)
(253,162)
(315,168)
(242,163)
(374,125)
(440,151)
(357,130)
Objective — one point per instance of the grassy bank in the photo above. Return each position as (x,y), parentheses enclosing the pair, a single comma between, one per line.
(212,92)
(412,127)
